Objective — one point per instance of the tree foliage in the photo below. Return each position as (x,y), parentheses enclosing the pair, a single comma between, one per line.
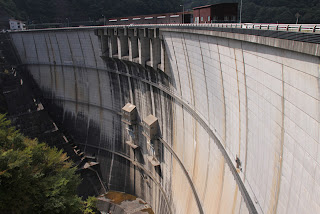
(263,11)
(33,177)
(271,11)
(90,206)
(42,11)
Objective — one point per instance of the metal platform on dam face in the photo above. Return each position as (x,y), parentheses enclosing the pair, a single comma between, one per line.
(222,94)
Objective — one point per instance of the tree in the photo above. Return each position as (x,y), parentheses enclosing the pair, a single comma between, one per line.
(33,177)
(90,206)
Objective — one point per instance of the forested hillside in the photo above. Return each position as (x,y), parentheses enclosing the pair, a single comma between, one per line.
(272,11)
(267,11)
(41,11)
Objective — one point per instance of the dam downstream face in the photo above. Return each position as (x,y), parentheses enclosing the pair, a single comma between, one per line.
(221,105)
(88,112)
(86,93)
(94,121)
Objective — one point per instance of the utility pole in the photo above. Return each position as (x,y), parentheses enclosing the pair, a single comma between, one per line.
(104,20)
(240,11)
(182,5)
(297,16)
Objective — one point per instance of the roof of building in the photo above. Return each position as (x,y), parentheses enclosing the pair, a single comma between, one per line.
(210,5)
(16,20)
(129,107)
(150,120)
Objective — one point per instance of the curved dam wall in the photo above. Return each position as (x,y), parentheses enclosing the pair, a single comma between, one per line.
(218,100)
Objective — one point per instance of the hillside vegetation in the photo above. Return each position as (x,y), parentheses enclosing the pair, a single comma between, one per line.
(34,178)
(264,11)
(42,11)
(272,11)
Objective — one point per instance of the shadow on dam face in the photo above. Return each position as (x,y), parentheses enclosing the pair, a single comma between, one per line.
(92,119)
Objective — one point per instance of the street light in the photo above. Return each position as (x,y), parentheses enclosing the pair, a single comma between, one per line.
(297,16)
(104,19)
(181,5)
(67,21)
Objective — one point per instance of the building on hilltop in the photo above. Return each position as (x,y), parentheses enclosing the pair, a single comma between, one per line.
(224,12)
(17,24)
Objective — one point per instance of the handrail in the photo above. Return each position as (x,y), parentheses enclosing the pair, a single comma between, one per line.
(304,28)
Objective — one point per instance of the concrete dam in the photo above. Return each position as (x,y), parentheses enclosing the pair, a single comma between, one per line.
(190,118)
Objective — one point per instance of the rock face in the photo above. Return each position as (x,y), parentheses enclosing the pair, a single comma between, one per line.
(229,113)
(122,203)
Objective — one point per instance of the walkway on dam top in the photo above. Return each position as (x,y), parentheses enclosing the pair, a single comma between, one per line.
(302,28)
(309,33)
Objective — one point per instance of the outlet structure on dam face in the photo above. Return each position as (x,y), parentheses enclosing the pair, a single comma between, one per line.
(190,119)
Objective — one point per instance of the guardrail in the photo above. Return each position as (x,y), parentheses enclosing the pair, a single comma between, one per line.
(303,28)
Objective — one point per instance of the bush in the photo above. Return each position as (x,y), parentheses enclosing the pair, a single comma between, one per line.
(35,178)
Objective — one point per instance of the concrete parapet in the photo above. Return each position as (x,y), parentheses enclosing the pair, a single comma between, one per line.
(139,45)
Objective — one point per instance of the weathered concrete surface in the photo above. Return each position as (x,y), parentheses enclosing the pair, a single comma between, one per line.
(260,102)
(122,203)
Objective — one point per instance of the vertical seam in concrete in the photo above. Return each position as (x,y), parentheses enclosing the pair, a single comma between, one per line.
(24,48)
(130,90)
(224,98)
(75,76)
(49,59)
(120,90)
(151,95)
(88,103)
(100,96)
(281,151)
(35,47)
(177,67)
(239,103)
(64,82)
(222,184)
(162,102)
(184,137)
(225,126)
(186,56)
(54,66)
(235,199)
(245,85)
(208,107)
(205,79)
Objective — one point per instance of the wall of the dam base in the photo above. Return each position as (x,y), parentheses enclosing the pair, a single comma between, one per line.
(262,104)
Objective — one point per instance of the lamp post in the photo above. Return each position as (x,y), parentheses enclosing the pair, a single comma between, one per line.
(240,11)
(104,20)
(181,5)
(297,16)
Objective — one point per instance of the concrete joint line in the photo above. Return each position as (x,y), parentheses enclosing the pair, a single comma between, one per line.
(185,172)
